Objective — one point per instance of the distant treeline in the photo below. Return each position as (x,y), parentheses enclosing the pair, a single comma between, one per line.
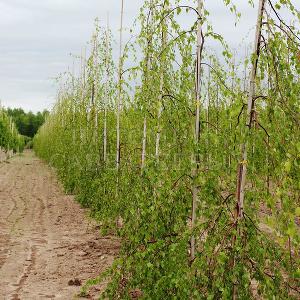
(27,123)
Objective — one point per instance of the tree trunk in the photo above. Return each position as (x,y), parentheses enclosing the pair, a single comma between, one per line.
(196,159)
(161,87)
(242,167)
(106,96)
(119,100)
(250,109)
(144,142)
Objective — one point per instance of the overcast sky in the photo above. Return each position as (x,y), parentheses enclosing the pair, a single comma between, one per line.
(37,37)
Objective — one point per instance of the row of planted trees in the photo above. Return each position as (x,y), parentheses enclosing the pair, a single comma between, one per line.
(10,139)
(160,151)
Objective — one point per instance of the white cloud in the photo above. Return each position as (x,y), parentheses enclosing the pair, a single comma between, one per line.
(37,36)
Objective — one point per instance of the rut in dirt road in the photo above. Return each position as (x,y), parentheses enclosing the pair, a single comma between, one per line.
(46,241)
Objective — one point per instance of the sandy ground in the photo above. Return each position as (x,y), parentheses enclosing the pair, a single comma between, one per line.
(46,240)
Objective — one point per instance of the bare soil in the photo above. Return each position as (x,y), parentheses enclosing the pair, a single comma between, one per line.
(48,245)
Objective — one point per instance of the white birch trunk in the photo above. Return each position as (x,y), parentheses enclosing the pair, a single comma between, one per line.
(119,90)
(197,124)
(241,181)
(106,96)
(144,143)
(161,89)
(242,167)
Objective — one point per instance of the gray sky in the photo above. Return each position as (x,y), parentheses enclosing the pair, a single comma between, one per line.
(37,37)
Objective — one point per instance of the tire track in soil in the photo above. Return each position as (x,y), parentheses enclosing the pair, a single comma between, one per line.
(20,284)
(46,241)
(33,248)
(6,187)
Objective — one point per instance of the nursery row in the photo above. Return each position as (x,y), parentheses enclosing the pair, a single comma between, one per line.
(192,159)
(10,139)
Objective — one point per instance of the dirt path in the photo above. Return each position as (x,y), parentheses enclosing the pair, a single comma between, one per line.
(45,238)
